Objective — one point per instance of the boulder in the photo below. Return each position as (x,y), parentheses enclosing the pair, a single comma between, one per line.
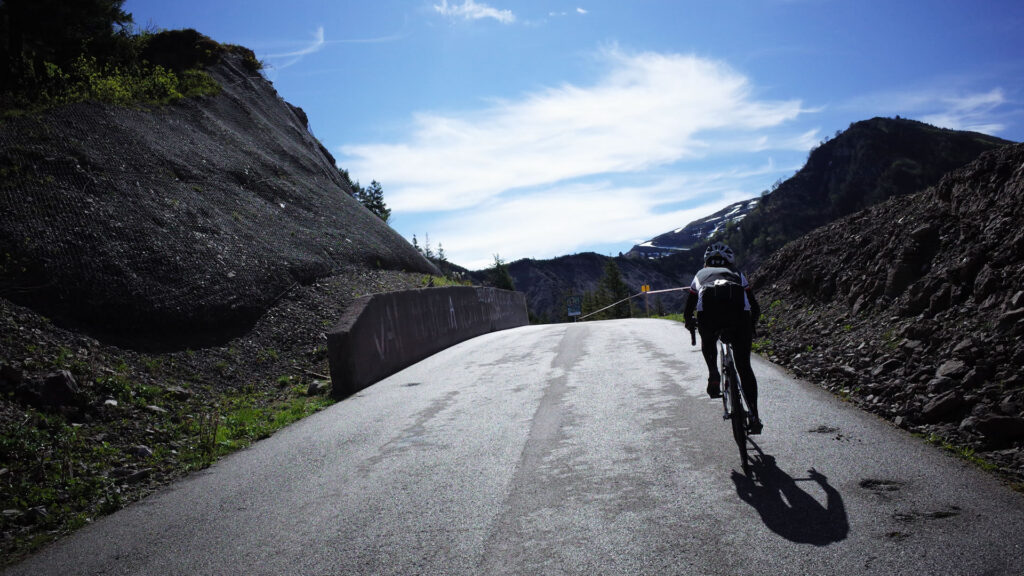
(318,387)
(967,348)
(1010,320)
(1000,428)
(11,376)
(942,407)
(178,393)
(940,385)
(941,300)
(900,275)
(1017,301)
(55,390)
(986,283)
(954,369)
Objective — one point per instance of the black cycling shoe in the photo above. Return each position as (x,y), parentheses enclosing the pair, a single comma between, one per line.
(714,389)
(754,426)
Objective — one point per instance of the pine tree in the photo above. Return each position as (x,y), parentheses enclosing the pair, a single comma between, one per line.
(590,304)
(500,276)
(372,197)
(427,250)
(33,32)
(614,289)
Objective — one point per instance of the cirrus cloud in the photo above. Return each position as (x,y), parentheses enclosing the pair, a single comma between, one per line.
(470,10)
(648,110)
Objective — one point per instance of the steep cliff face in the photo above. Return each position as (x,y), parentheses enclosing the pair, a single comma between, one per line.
(187,219)
(915,307)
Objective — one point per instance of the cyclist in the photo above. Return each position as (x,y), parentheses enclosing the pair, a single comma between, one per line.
(726,308)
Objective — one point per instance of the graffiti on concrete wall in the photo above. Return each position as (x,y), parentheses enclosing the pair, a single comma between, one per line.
(386,339)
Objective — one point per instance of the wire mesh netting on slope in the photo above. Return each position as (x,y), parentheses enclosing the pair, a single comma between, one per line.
(175,221)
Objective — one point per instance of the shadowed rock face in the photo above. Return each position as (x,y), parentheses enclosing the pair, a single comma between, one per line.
(916,307)
(182,220)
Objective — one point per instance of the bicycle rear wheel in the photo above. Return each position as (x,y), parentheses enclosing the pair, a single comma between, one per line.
(738,416)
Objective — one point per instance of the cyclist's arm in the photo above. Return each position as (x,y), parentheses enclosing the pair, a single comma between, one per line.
(691,304)
(755,308)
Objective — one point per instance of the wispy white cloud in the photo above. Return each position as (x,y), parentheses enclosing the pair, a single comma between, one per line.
(945,107)
(649,110)
(569,218)
(286,59)
(470,10)
(975,112)
(581,11)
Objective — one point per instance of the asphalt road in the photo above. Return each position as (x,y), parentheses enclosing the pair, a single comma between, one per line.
(572,449)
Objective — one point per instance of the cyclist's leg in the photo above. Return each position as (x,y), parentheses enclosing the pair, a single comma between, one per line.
(709,348)
(741,348)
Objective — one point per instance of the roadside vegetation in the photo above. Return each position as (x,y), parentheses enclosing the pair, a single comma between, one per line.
(134,421)
(54,53)
(137,421)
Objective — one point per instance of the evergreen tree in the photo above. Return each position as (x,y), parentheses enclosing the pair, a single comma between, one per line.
(500,276)
(372,197)
(614,289)
(34,32)
(427,250)
(589,304)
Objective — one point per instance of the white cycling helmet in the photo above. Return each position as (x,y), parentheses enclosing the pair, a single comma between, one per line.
(718,254)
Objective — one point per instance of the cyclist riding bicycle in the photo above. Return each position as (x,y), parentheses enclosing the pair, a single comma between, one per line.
(726,309)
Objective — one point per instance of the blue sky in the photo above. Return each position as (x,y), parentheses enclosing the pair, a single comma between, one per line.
(534,129)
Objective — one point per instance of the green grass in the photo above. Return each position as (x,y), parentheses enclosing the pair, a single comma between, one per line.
(53,468)
(244,419)
(676,317)
(65,469)
(763,346)
(87,80)
(965,452)
(441,281)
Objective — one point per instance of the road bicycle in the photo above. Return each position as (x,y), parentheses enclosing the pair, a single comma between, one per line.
(733,402)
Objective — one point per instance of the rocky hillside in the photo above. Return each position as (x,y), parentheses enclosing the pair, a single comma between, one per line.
(171,222)
(914,309)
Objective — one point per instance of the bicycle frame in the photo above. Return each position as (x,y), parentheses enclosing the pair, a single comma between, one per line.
(733,402)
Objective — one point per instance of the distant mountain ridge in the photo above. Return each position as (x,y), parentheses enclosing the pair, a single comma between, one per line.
(696,232)
(871,161)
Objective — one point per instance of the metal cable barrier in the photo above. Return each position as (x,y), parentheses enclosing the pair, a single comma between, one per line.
(631,297)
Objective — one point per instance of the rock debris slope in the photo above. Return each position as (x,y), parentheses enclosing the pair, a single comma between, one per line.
(915,309)
(182,220)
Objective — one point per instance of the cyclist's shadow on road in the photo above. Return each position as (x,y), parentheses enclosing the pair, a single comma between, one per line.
(787,509)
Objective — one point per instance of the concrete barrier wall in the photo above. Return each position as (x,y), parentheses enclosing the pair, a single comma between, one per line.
(382,333)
